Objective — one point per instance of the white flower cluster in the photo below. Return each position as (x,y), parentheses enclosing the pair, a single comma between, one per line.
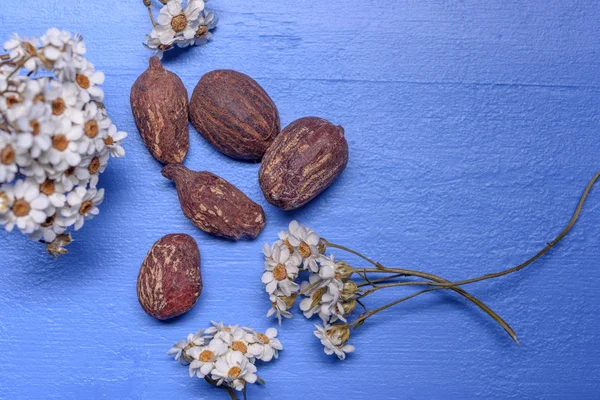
(181,26)
(329,292)
(55,136)
(226,355)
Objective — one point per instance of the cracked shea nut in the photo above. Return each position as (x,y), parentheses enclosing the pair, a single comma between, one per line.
(170,281)
(308,155)
(232,112)
(159,102)
(215,205)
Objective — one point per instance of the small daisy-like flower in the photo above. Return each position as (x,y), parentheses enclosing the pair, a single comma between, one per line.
(197,339)
(82,205)
(55,192)
(174,21)
(306,242)
(207,21)
(27,207)
(280,307)
(113,142)
(35,128)
(205,358)
(334,338)
(64,152)
(234,370)
(88,80)
(264,346)
(8,158)
(281,269)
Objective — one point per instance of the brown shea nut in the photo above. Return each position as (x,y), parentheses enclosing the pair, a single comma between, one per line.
(170,280)
(215,205)
(308,155)
(159,102)
(232,112)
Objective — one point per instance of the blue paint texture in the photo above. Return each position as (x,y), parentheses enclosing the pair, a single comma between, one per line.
(473,129)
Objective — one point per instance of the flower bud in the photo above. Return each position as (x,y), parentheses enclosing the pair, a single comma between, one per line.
(343,270)
(349,291)
(289,300)
(339,331)
(322,246)
(349,306)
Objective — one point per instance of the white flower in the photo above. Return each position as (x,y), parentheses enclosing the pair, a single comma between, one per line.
(334,338)
(35,128)
(281,269)
(8,158)
(306,242)
(207,21)
(279,308)
(64,152)
(234,370)
(173,21)
(20,49)
(113,142)
(197,339)
(218,328)
(27,207)
(82,205)
(205,357)
(88,80)
(264,346)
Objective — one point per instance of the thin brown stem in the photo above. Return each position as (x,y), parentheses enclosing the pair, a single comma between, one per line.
(434,278)
(372,281)
(149,7)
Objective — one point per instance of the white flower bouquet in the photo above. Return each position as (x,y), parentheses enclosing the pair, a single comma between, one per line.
(226,355)
(331,293)
(55,137)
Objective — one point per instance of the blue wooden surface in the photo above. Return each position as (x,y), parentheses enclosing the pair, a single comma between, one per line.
(473,128)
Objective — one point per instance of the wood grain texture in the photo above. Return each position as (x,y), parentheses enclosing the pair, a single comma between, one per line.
(473,128)
(307,157)
(170,279)
(159,102)
(215,205)
(235,114)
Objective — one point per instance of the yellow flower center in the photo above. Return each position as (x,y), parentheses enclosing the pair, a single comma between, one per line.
(280,273)
(7,155)
(206,356)
(201,31)
(35,127)
(94,165)
(83,81)
(58,106)
(47,187)
(11,101)
(263,338)
(287,243)
(239,346)
(179,23)
(21,208)
(38,98)
(91,129)
(60,142)
(304,250)
(109,141)
(86,206)
(49,221)
(234,372)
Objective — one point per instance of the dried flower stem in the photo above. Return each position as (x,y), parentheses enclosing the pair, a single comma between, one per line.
(148,4)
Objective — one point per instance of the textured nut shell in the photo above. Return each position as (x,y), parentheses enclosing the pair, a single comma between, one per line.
(232,112)
(215,205)
(159,102)
(304,160)
(170,280)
